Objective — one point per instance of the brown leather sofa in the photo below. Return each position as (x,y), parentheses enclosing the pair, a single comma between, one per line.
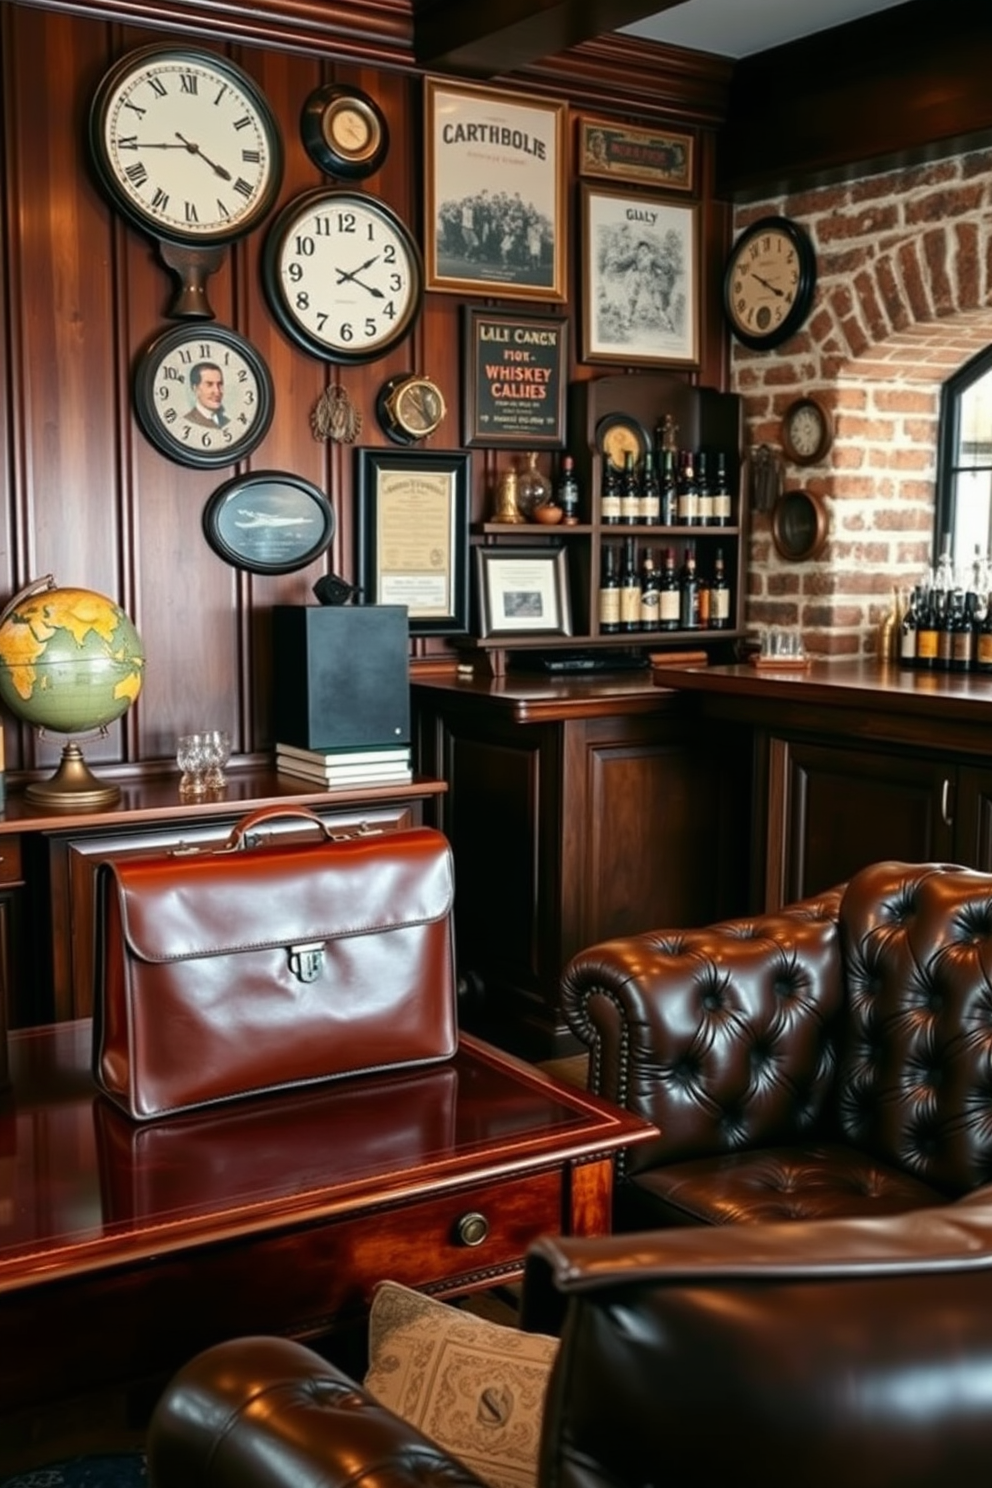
(831,1059)
(842,1351)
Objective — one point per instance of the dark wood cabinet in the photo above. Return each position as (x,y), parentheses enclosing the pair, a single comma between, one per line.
(575,814)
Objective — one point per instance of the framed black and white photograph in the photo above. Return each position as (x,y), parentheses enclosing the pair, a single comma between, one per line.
(515,370)
(203,395)
(269,522)
(656,157)
(495,217)
(640,290)
(523,591)
(412,535)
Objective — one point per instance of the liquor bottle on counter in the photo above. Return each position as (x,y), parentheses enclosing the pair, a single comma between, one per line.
(927,630)
(650,509)
(568,492)
(650,595)
(983,639)
(668,514)
(722,508)
(630,493)
(688,492)
(945,632)
(963,637)
(609,500)
(609,591)
(704,499)
(719,594)
(907,630)
(668,594)
(689,591)
(630,589)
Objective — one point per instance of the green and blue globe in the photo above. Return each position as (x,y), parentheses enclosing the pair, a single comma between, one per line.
(70,660)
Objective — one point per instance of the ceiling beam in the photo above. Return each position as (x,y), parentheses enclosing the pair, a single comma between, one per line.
(488,40)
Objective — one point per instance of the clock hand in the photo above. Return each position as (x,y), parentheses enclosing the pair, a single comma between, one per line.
(351,275)
(768,285)
(194,149)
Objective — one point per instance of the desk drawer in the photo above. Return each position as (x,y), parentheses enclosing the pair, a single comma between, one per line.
(10,860)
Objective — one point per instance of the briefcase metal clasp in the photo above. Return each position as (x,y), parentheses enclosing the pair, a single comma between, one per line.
(305,961)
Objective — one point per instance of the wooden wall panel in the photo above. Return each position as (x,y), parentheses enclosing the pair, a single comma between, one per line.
(85,495)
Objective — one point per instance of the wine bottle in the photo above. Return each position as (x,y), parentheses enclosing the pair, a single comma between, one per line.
(568,491)
(650,509)
(609,591)
(668,592)
(704,498)
(609,499)
(650,595)
(688,492)
(630,589)
(983,640)
(630,492)
(719,594)
(668,515)
(926,633)
(689,591)
(908,628)
(722,508)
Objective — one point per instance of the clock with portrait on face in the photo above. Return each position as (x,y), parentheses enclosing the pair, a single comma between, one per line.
(185,145)
(203,395)
(343,275)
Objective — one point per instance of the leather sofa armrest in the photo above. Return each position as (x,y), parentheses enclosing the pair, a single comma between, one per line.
(268,1413)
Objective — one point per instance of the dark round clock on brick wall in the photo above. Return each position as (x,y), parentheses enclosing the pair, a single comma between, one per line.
(769,282)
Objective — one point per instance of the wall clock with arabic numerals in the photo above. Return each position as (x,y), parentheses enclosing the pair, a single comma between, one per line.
(185,145)
(203,395)
(769,282)
(343,275)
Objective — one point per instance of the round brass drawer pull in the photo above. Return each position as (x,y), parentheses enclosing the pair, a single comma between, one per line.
(472,1229)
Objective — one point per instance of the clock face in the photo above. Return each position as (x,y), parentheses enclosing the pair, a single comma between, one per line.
(344,131)
(203,395)
(410,407)
(186,145)
(617,436)
(807,431)
(343,275)
(769,282)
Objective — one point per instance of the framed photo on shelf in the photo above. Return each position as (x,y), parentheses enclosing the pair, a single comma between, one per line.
(656,157)
(640,289)
(523,591)
(495,213)
(515,367)
(269,522)
(412,535)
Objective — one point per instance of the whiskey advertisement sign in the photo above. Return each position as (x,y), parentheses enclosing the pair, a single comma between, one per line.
(515,372)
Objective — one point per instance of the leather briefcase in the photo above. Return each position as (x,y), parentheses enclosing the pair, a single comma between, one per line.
(232,971)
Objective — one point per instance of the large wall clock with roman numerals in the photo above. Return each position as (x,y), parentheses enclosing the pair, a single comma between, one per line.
(185,145)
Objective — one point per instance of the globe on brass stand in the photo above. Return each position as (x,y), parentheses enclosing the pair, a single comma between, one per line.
(71,662)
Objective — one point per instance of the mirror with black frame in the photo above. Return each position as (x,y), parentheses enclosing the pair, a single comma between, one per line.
(963,520)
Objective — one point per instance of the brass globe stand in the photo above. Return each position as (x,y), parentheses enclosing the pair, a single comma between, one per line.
(73,787)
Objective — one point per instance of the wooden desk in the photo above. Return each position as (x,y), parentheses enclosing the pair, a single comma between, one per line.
(125,1249)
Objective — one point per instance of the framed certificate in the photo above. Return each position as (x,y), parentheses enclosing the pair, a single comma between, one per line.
(412,535)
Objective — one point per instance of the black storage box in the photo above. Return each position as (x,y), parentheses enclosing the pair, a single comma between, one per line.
(340,676)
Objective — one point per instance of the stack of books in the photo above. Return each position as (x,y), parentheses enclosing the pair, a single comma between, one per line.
(336,769)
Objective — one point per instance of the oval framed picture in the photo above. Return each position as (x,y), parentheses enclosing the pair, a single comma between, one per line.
(203,395)
(269,522)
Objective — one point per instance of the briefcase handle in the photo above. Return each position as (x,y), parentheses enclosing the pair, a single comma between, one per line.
(241,832)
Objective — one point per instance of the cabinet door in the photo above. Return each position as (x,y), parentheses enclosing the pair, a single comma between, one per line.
(973,818)
(834,810)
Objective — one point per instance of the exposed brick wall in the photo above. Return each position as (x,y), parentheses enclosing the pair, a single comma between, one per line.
(903,298)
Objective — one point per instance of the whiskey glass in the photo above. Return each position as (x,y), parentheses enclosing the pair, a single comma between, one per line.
(191,759)
(216,745)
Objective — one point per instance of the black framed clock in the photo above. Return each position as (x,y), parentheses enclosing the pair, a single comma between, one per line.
(343,275)
(203,395)
(410,406)
(269,522)
(619,435)
(769,282)
(344,131)
(185,145)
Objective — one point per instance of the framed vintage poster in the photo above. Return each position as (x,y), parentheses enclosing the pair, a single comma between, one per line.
(640,294)
(412,535)
(523,591)
(495,217)
(655,157)
(515,366)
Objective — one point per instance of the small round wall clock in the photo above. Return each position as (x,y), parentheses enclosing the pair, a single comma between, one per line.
(203,395)
(343,275)
(410,407)
(269,522)
(769,282)
(807,430)
(185,145)
(344,132)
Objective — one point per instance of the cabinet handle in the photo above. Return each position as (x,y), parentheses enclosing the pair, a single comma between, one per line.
(472,1229)
(945,796)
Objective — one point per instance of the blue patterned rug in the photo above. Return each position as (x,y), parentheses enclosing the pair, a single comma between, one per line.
(120,1470)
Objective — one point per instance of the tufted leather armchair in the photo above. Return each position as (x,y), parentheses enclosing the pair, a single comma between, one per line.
(833,1058)
(842,1351)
